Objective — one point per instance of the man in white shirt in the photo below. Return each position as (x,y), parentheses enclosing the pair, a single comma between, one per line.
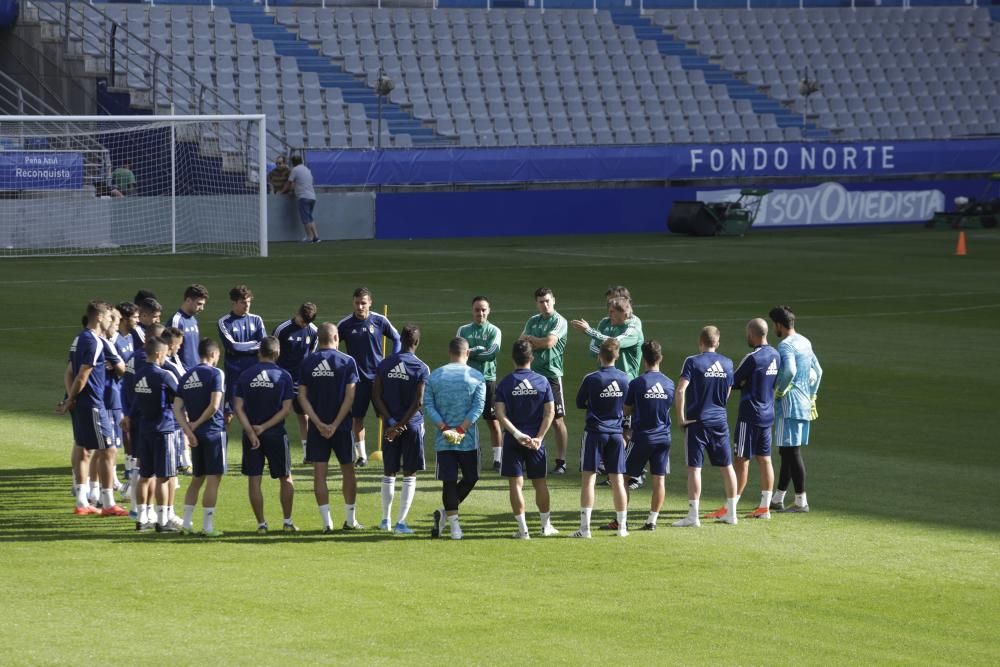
(301,179)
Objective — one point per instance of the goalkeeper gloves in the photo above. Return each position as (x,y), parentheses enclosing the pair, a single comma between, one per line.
(454,435)
(813,412)
(780,394)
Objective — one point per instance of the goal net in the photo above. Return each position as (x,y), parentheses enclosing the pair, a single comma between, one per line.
(101,185)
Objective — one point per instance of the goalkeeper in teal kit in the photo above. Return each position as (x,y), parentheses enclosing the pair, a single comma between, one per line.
(799,376)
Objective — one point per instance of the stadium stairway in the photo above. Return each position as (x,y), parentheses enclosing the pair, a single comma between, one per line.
(714,74)
(287,43)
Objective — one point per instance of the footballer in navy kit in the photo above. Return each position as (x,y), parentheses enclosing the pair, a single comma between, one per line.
(648,401)
(362,333)
(398,394)
(198,409)
(155,388)
(702,391)
(149,314)
(297,337)
(602,395)
(327,384)
(262,399)
(195,297)
(525,408)
(240,334)
(85,379)
(756,377)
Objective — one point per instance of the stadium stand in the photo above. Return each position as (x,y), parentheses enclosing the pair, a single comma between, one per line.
(522,77)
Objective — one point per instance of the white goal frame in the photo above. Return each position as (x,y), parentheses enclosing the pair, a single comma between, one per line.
(261,120)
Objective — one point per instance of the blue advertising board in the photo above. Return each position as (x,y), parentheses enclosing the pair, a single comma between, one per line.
(40,170)
(814,160)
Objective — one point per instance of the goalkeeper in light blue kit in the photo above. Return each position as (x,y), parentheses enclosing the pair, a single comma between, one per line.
(454,401)
(799,376)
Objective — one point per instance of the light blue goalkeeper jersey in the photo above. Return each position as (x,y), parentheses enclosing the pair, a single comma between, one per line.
(799,375)
(455,393)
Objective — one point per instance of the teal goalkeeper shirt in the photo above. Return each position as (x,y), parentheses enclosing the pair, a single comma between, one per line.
(799,375)
(455,393)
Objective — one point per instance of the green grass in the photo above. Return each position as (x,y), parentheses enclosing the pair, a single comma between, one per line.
(896,564)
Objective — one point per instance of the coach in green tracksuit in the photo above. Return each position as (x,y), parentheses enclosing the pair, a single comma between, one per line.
(484,343)
(622,325)
(547,332)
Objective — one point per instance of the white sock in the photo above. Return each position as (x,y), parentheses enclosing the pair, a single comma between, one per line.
(522,522)
(800,500)
(133,489)
(693,509)
(107,498)
(81,495)
(731,505)
(738,496)
(496,454)
(163,514)
(94,492)
(406,495)
(622,518)
(765,499)
(288,521)
(209,520)
(349,514)
(141,511)
(453,522)
(360,447)
(188,516)
(171,514)
(324,513)
(585,518)
(653,516)
(779,496)
(388,491)
(546,519)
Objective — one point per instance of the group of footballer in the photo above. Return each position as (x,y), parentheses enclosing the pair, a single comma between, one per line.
(157,392)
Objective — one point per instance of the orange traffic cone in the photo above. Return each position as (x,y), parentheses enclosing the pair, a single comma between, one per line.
(960,247)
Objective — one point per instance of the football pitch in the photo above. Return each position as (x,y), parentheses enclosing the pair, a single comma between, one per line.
(897,562)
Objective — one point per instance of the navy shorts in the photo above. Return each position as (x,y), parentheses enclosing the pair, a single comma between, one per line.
(654,450)
(306,207)
(450,461)
(159,455)
(116,427)
(362,397)
(518,461)
(700,438)
(605,450)
(751,440)
(490,409)
(209,457)
(92,427)
(318,448)
(296,406)
(405,453)
(557,397)
(134,437)
(273,448)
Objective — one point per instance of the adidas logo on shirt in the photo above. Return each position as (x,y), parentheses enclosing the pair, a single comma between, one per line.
(130,366)
(323,370)
(715,371)
(193,382)
(656,391)
(261,381)
(524,388)
(772,369)
(612,390)
(142,387)
(398,372)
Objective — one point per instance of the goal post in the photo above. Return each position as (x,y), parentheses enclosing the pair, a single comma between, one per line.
(133,185)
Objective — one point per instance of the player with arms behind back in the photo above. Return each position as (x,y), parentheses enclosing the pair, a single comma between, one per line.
(525,409)
(298,339)
(399,394)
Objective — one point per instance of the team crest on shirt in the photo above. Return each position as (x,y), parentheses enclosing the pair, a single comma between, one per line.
(261,381)
(656,391)
(612,390)
(308,340)
(715,371)
(371,329)
(323,370)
